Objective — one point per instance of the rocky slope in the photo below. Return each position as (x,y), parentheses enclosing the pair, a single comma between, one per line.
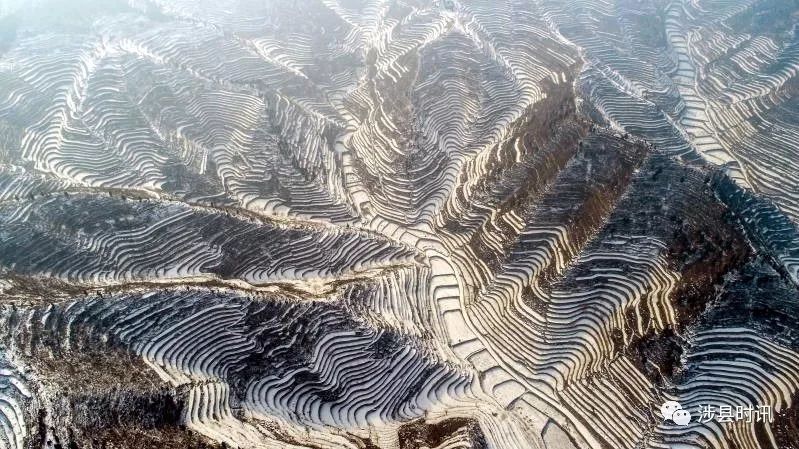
(397,224)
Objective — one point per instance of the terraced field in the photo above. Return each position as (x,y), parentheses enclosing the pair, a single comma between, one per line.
(385,224)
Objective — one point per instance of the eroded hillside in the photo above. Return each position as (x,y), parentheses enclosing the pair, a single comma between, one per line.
(397,224)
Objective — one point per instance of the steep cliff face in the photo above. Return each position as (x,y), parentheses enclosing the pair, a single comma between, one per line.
(454,432)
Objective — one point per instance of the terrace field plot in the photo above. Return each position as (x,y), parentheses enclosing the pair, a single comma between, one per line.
(378,224)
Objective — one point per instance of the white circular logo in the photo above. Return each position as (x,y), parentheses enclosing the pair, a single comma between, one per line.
(681,417)
(668,408)
(673,410)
